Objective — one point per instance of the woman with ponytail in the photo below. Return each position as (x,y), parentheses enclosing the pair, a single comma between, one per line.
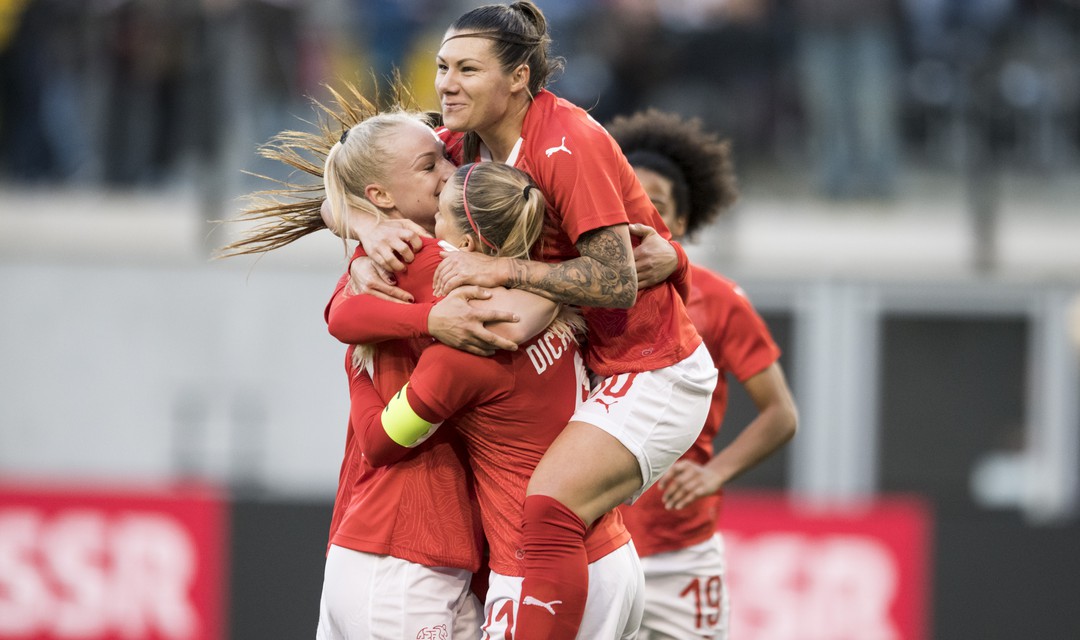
(507,408)
(689,176)
(408,529)
(654,378)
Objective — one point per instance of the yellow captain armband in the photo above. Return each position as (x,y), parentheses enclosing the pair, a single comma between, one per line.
(402,424)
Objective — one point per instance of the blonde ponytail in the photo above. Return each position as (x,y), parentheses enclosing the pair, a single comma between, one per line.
(284,214)
(498,205)
(529,223)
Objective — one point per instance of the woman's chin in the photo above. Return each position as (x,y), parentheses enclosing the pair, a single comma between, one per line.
(455,121)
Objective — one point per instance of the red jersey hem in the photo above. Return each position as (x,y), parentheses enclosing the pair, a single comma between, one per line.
(411,555)
(641,365)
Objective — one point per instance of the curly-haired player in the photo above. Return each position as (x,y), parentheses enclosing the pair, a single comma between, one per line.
(688,174)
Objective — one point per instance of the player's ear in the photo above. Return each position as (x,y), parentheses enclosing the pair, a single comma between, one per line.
(379,196)
(467,243)
(519,77)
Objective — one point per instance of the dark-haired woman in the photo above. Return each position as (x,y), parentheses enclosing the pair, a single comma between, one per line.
(654,376)
(688,174)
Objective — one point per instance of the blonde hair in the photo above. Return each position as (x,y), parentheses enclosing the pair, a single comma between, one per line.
(500,206)
(292,210)
(357,160)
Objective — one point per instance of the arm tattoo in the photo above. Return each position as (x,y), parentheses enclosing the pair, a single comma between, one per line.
(604,275)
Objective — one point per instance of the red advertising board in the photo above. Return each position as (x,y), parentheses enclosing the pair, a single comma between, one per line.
(857,573)
(102,564)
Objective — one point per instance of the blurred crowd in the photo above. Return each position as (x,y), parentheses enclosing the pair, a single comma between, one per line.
(142,93)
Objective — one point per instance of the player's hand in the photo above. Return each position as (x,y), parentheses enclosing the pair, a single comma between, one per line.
(366,277)
(454,322)
(686,482)
(393,243)
(460,268)
(655,258)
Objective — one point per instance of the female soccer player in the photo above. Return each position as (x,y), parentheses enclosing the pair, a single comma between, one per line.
(409,528)
(655,377)
(688,175)
(508,408)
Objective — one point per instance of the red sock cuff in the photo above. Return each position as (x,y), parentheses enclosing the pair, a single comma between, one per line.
(555,517)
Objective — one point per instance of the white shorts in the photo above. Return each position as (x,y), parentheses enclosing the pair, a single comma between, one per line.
(368,596)
(657,414)
(613,609)
(686,593)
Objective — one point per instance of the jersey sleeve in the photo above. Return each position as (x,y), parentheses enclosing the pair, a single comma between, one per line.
(366,319)
(680,278)
(365,410)
(342,282)
(582,181)
(748,347)
(447,381)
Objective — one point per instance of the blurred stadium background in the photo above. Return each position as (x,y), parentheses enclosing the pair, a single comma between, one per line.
(921,272)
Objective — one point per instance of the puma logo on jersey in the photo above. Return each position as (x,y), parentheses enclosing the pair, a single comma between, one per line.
(607,405)
(550,606)
(561,147)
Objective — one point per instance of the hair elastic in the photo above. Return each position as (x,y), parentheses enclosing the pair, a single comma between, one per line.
(525,191)
(465,204)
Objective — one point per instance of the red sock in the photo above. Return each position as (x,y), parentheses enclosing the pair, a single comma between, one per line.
(556,580)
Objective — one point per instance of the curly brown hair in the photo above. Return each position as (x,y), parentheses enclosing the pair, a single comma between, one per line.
(697,162)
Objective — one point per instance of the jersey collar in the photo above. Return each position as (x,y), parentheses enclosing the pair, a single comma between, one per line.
(485,153)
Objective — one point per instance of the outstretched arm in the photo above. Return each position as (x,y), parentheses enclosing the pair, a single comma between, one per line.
(604,275)
(774,425)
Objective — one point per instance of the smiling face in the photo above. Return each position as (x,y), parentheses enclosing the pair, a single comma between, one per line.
(416,172)
(475,92)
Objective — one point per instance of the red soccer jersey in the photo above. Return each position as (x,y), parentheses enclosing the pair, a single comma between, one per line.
(740,344)
(508,408)
(418,509)
(588,184)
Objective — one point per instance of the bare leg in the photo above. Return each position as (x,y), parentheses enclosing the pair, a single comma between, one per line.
(587,470)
